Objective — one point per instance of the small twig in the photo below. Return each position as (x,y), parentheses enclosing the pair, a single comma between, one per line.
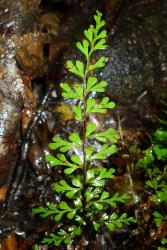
(141,96)
(120,126)
(19,173)
(15,16)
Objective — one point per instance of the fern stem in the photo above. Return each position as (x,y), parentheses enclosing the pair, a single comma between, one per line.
(84,138)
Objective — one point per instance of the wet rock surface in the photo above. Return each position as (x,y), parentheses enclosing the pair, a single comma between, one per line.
(17,103)
(136,67)
(17,16)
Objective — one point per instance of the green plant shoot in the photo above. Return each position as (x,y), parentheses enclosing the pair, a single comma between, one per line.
(154,163)
(85,205)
